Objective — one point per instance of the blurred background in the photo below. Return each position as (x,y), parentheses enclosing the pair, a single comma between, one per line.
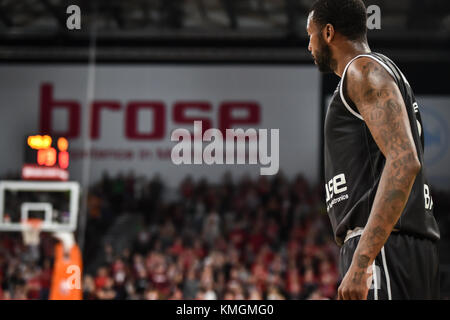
(138,69)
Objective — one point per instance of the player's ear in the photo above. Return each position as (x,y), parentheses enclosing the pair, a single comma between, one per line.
(328,33)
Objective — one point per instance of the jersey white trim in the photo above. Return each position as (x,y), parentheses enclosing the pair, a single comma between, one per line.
(386,273)
(353,233)
(341,90)
(375,281)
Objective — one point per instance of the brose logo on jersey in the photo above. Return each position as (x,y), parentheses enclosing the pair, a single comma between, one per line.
(336,186)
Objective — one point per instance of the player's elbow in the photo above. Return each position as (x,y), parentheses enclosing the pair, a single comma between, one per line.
(408,163)
(413,165)
(416,166)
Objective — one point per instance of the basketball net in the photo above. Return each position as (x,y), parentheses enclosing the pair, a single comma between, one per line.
(31,231)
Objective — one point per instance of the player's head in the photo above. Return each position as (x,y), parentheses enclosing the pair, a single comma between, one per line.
(329,22)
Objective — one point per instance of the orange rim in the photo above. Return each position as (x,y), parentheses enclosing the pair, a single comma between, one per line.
(33,222)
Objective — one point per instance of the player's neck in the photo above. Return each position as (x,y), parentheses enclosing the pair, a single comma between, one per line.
(347,52)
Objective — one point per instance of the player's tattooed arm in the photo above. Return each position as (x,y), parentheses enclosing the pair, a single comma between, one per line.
(381,105)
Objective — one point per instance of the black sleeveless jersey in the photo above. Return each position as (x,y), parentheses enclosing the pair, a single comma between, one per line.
(354,164)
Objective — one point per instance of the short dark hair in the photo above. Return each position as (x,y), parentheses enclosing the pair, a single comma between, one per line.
(348,17)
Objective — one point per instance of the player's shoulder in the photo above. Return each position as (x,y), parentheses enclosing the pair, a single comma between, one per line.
(366,69)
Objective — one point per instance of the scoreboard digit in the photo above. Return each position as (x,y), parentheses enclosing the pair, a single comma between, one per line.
(46,158)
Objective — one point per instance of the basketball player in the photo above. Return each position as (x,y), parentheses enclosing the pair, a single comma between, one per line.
(377,195)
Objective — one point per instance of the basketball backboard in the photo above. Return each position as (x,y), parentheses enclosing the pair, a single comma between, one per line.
(55,203)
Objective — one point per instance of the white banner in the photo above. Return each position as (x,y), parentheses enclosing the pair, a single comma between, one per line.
(136,108)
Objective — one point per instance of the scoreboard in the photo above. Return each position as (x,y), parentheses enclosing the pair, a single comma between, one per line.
(46,158)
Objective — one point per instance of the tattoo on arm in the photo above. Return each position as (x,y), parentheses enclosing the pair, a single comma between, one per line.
(363,261)
(381,105)
(357,277)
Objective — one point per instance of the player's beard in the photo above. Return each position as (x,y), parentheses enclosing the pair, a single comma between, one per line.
(324,59)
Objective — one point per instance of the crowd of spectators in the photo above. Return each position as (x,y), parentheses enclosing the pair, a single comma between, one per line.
(249,239)
(263,238)
(25,272)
